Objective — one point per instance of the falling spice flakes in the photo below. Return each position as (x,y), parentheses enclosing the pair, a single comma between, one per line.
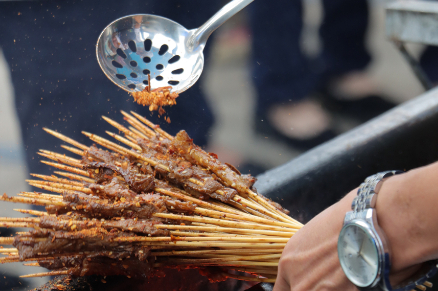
(156,98)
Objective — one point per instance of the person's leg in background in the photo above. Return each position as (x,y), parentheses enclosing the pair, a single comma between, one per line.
(343,31)
(346,88)
(283,77)
(429,63)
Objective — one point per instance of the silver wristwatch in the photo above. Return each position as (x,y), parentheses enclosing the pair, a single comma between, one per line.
(362,248)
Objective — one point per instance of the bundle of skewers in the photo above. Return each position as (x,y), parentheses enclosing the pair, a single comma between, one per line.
(144,202)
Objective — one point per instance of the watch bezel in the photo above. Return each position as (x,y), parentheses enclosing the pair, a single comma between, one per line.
(368,226)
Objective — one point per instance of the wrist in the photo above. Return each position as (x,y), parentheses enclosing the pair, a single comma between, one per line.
(405,212)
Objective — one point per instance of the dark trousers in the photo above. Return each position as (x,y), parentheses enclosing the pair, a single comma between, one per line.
(50,48)
(281,71)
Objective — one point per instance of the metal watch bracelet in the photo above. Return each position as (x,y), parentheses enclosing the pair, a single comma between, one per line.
(366,195)
(365,199)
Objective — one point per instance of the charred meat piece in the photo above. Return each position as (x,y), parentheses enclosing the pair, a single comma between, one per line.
(183,145)
(179,171)
(144,226)
(138,176)
(117,188)
(142,207)
(58,242)
(131,268)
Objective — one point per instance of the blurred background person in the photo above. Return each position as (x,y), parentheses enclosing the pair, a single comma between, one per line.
(296,94)
(286,79)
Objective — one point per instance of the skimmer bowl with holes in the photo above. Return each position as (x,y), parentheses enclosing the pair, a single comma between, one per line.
(132,47)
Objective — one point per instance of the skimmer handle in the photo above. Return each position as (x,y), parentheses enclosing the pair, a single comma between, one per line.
(200,36)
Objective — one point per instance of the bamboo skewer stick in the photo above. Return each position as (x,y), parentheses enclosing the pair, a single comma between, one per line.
(32,264)
(67,168)
(66,139)
(224,245)
(61,158)
(6,240)
(124,140)
(265,203)
(15,224)
(150,131)
(213,263)
(245,278)
(38,195)
(58,187)
(255,271)
(199,202)
(45,274)
(205,239)
(219,208)
(32,212)
(227,256)
(237,258)
(56,179)
(145,131)
(61,161)
(255,206)
(217,214)
(220,222)
(9,259)
(118,126)
(34,201)
(15,258)
(136,132)
(8,250)
(73,150)
(23,219)
(151,125)
(23,233)
(213,252)
(226,230)
(74,177)
(122,150)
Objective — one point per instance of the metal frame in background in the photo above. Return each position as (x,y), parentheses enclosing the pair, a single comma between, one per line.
(415,22)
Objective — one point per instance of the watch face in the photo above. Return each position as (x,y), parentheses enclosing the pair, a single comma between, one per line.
(358,255)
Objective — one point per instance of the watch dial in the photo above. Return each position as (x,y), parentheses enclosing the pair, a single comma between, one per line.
(358,255)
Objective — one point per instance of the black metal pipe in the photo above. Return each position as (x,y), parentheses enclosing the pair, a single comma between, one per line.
(415,65)
(403,138)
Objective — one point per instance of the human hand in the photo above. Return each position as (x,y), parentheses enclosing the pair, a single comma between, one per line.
(310,258)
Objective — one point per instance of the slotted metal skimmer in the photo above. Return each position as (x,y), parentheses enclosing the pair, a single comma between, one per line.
(132,47)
